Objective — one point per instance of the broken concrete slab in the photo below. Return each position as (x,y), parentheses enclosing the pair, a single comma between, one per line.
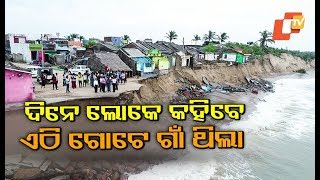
(63,163)
(27,173)
(24,164)
(13,159)
(35,159)
(58,170)
(8,173)
(12,167)
(64,177)
(45,165)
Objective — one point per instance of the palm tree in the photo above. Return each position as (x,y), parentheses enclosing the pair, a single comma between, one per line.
(81,38)
(210,36)
(73,36)
(223,37)
(266,37)
(196,38)
(171,35)
(126,37)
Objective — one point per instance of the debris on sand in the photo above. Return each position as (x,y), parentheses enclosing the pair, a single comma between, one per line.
(254,85)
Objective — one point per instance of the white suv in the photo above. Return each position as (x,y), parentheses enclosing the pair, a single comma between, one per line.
(79,68)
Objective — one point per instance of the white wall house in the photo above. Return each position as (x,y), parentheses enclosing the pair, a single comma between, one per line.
(211,56)
(185,59)
(20,47)
(227,56)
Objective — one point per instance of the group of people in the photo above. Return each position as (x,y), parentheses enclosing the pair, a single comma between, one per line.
(103,80)
(54,81)
(100,80)
(72,78)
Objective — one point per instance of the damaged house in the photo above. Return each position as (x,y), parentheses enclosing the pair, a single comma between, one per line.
(158,54)
(178,57)
(235,56)
(137,61)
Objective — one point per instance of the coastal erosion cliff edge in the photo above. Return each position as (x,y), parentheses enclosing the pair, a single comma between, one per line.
(164,87)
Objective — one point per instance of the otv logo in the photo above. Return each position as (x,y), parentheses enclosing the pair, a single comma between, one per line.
(293,22)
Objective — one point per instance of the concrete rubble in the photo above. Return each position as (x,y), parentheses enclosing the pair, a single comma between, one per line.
(188,90)
(37,166)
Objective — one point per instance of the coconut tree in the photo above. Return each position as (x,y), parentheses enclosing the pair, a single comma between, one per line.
(126,37)
(171,35)
(223,37)
(196,38)
(210,36)
(266,37)
(72,36)
(81,38)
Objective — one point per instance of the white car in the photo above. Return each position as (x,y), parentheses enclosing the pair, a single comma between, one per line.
(79,68)
(34,70)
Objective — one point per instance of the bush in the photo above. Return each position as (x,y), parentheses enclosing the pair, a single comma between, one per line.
(256,50)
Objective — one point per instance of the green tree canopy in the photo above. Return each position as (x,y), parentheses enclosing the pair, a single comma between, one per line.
(171,35)
(209,48)
(266,37)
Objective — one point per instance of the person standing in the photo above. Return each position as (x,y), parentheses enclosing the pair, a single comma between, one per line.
(85,79)
(103,83)
(98,78)
(91,79)
(108,83)
(54,82)
(43,81)
(64,78)
(118,76)
(114,83)
(67,84)
(106,69)
(95,84)
(80,79)
(123,76)
(73,81)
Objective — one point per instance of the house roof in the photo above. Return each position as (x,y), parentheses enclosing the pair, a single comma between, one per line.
(113,61)
(144,47)
(11,66)
(17,70)
(172,46)
(109,46)
(237,51)
(133,52)
(142,59)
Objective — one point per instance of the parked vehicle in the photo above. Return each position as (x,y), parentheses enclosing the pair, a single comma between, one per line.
(34,70)
(47,72)
(79,68)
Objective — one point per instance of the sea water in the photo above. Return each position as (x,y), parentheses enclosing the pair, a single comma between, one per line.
(279,141)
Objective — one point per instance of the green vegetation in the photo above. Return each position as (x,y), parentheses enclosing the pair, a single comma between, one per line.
(209,48)
(210,36)
(258,51)
(90,44)
(126,38)
(196,38)
(223,37)
(266,37)
(171,35)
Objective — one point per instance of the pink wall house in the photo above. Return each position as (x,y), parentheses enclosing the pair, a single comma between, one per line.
(19,87)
